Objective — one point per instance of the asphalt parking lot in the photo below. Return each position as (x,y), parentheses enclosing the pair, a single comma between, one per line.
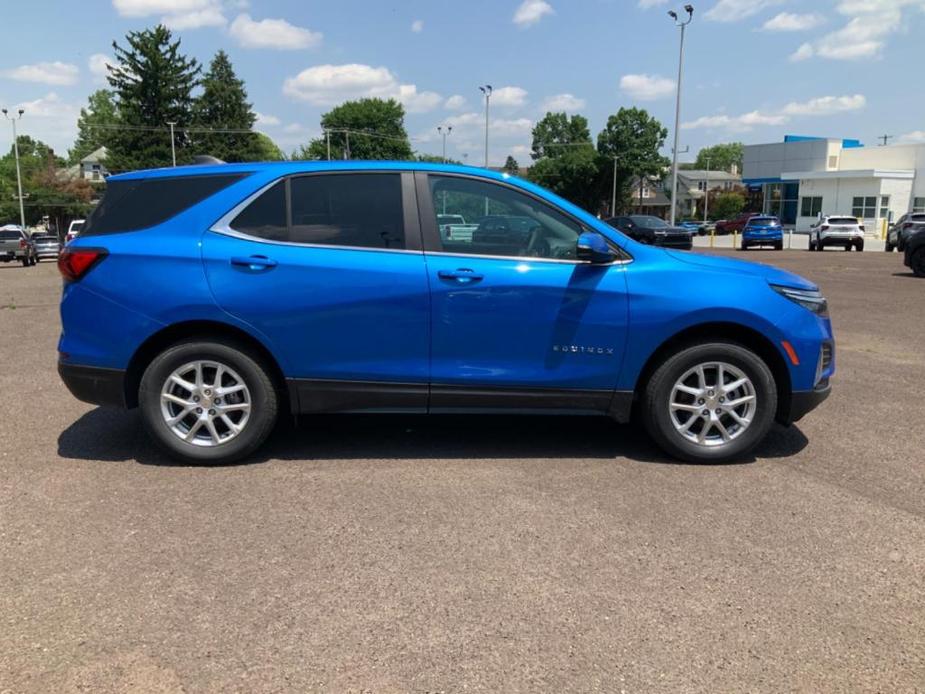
(489,554)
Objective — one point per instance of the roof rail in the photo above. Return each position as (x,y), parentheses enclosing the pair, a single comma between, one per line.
(206,159)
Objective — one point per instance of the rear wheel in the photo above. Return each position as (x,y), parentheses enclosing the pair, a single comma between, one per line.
(859,246)
(779,246)
(710,402)
(208,401)
(917,262)
(888,247)
(25,262)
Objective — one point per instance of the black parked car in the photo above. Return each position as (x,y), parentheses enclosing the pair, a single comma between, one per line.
(652,230)
(914,257)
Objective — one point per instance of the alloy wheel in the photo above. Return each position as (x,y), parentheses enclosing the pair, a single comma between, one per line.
(205,403)
(712,404)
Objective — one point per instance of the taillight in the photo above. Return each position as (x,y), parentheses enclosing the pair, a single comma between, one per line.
(861,227)
(23,244)
(907,225)
(74,263)
(825,227)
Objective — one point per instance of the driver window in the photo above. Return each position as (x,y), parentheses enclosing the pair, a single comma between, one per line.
(484,218)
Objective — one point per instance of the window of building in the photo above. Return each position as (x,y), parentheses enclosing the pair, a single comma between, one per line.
(500,221)
(918,204)
(885,207)
(864,208)
(811,207)
(359,210)
(833,161)
(265,217)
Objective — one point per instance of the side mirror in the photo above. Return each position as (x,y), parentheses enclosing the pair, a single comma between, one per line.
(594,249)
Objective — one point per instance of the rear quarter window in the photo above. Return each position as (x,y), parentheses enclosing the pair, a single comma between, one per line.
(141,203)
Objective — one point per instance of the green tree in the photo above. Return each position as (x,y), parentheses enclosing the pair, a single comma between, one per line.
(721,157)
(435,159)
(92,130)
(726,205)
(153,82)
(511,166)
(633,138)
(266,149)
(372,128)
(565,160)
(223,105)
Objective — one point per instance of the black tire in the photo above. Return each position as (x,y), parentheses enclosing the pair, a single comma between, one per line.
(25,262)
(859,247)
(779,246)
(255,374)
(657,394)
(812,246)
(917,262)
(888,247)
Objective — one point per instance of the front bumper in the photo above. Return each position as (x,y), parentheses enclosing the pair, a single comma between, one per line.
(804,401)
(94,384)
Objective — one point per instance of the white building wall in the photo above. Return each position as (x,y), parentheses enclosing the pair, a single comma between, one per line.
(771,160)
(838,197)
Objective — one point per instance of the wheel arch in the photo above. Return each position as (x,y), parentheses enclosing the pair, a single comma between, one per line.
(733,332)
(207,330)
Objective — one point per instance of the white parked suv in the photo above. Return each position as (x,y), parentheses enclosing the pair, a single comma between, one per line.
(837,230)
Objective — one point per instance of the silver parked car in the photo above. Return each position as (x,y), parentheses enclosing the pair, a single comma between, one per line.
(15,244)
(46,246)
(837,230)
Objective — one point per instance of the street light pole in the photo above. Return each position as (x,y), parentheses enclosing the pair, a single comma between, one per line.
(677,109)
(706,193)
(613,199)
(444,135)
(173,148)
(486,90)
(22,212)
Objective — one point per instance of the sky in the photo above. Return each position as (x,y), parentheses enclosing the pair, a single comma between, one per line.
(754,70)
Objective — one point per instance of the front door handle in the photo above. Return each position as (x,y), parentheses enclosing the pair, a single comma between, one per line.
(254,262)
(463,275)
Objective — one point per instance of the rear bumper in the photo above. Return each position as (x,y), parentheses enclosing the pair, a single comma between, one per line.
(840,240)
(94,384)
(804,401)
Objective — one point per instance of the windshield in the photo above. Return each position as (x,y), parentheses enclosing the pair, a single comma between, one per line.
(764,222)
(648,221)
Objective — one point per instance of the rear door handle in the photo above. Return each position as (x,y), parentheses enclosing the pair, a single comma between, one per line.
(254,262)
(462,275)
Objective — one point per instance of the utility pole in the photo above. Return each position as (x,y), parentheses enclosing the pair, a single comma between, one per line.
(22,212)
(173,148)
(884,139)
(440,129)
(706,193)
(327,137)
(347,149)
(613,197)
(677,109)
(486,90)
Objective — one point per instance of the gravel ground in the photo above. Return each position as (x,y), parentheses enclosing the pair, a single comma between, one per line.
(479,554)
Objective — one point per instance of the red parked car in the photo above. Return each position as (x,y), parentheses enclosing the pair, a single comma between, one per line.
(727,226)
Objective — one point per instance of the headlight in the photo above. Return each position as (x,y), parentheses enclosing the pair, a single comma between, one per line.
(810,299)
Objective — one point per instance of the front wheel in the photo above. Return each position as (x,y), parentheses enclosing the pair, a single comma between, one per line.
(711,402)
(208,401)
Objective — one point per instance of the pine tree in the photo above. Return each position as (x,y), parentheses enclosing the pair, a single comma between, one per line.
(99,111)
(153,82)
(223,106)
(511,166)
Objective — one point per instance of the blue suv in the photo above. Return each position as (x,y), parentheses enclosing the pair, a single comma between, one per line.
(217,298)
(762,230)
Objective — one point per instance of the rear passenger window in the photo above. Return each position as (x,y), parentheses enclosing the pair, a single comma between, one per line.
(145,202)
(265,217)
(358,210)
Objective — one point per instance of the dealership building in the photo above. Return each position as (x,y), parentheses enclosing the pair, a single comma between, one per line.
(803,177)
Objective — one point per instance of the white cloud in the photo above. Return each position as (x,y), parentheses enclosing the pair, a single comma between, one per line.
(825,105)
(55,73)
(294,128)
(327,85)
(272,33)
(531,11)
(788,21)
(177,14)
(914,137)
(737,10)
(563,102)
(266,120)
(863,36)
(647,87)
(508,96)
(646,4)
(457,102)
(821,106)
(97,64)
(51,120)
(417,26)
